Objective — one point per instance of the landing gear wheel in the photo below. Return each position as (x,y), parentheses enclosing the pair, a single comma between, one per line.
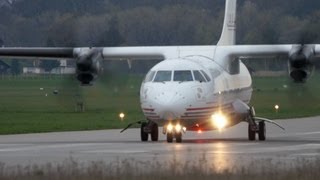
(144,135)
(179,137)
(154,132)
(251,133)
(262,131)
(169,137)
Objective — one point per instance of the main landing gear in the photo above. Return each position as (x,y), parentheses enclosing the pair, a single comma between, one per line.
(254,128)
(149,128)
(258,128)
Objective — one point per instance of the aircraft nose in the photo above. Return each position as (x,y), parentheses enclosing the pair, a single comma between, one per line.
(170,104)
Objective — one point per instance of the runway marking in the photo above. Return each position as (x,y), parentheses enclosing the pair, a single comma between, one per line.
(309,133)
(115,151)
(270,149)
(298,134)
(306,154)
(41,147)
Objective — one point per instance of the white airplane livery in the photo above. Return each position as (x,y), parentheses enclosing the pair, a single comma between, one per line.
(194,88)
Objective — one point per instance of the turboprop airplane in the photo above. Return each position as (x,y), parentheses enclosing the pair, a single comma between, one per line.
(194,88)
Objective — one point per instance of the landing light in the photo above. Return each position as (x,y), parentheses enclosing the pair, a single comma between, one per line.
(178,128)
(170,128)
(219,120)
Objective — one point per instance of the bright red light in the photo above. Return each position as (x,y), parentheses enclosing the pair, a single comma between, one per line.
(199,131)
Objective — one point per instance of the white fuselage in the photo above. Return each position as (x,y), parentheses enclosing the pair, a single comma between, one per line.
(192,100)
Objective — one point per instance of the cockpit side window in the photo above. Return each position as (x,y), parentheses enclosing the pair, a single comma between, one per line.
(162,76)
(149,76)
(182,76)
(206,75)
(198,76)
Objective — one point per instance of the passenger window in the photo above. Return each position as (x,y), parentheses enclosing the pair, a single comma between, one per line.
(149,76)
(182,76)
(206,75)
(163,76)
(198,76)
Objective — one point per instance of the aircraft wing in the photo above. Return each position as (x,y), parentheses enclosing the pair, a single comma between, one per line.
(256,51)
(33,53)
(109,53)
(155,52)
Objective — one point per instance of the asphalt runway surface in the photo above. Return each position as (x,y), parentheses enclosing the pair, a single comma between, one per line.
(228,148)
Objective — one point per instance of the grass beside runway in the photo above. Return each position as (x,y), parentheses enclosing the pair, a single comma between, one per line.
(29,105)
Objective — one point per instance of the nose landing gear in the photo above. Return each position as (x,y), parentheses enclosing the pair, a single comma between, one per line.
(172,135)
(173,131)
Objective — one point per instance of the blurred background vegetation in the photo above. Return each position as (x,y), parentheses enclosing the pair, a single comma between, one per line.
(70,23)
(153,22)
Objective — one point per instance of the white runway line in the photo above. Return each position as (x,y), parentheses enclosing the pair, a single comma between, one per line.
(270,149)
(307,154)
(114,151)
(32,147)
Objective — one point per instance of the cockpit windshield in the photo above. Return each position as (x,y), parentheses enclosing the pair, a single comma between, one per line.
(149,76)
(178,76)
(198,76)
(182,76)
(206,75)
(162,76)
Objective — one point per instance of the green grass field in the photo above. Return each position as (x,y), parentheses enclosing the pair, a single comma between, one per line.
(24,108)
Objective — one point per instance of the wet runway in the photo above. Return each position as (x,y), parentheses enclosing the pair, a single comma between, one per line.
(228,148)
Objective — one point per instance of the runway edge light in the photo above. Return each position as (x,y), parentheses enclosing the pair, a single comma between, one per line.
(121,116)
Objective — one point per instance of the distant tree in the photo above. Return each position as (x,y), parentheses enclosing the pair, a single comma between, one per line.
(48,65)
(112,36)
(15,67)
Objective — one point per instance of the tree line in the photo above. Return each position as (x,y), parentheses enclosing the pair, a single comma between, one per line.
(72,23)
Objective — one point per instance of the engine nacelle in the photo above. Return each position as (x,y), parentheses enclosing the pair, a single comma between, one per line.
(86,78)
(88,67)
(301,75)
(300,63)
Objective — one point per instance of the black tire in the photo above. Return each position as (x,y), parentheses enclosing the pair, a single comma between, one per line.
(154,132)
(144,135)
(262,131)
(169,137)
(179,137)
(251,133)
